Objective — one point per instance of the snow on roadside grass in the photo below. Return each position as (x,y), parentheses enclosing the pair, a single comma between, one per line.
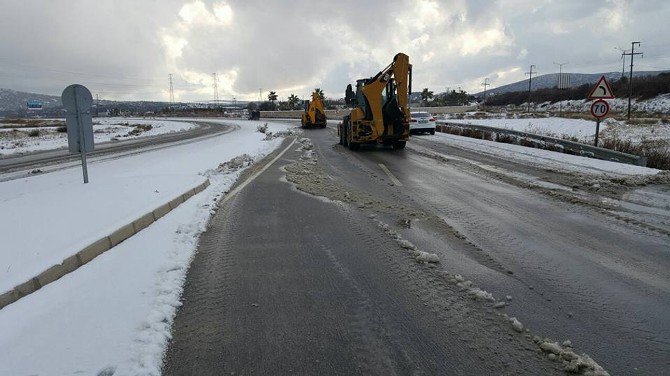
(104,130)
(543,158)
(656,105)
(114,313)
(551,126)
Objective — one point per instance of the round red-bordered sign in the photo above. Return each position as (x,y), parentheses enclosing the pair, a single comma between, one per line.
(600,108)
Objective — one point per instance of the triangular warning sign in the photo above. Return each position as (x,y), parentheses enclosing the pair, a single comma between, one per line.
(602,90)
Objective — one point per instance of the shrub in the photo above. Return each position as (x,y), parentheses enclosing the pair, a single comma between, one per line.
(61,129)
(34,133)
(474,133)
(528,143)
(505,138)
(658,158)
(139,128)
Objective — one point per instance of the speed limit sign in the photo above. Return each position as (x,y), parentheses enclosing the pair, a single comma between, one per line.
(599,109)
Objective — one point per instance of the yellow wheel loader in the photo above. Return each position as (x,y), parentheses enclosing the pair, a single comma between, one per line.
(381,114)
(314,115)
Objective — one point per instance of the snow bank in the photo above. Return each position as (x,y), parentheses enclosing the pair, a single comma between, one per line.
(550,126)
(104,130)
(543,158)
(656,105)
(114,313)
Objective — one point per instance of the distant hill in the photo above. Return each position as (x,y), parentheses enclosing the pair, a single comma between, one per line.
(14,104)
(546,81)
(12,100)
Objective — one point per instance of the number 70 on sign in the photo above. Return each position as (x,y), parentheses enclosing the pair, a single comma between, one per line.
(599,109)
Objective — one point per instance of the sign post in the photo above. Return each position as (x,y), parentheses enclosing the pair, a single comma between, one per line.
(600,108)
(78,100)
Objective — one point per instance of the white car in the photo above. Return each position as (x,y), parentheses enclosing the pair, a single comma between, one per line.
(421,122)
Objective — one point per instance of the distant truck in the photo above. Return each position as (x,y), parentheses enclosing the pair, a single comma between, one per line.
(254,115)
(314,115)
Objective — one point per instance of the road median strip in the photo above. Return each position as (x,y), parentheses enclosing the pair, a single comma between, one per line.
(95,249)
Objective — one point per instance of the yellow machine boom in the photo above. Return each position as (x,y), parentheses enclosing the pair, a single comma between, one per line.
(382,111)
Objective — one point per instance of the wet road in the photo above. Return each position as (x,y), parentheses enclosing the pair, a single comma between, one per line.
(287,283)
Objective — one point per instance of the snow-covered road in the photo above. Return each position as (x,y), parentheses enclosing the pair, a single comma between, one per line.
(116,310)
(17,141)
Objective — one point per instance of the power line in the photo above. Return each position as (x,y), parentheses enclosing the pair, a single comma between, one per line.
(561,84)
(623,60)
(530,80)
(561,81)
(630,79)
(216,86)
(485,84)
(171,89)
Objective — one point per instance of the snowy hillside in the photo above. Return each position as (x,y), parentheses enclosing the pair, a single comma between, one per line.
(550,80)
(12,99)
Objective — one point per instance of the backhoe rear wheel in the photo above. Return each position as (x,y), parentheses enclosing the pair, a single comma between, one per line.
(399,145)
(345,131)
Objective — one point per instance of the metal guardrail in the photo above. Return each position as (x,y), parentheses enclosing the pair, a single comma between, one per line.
(566,146)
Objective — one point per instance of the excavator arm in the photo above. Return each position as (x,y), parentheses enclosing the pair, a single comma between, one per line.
(395,79)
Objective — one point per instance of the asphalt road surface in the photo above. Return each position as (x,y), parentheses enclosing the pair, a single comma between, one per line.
(44,158)
(311,269)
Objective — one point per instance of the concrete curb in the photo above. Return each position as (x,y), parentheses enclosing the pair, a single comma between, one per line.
(96,248)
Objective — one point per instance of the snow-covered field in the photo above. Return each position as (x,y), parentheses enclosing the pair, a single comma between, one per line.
(550,126)
(543,158)
(657,105)
(18,141)
(642,133)
(652,133)
(115,312)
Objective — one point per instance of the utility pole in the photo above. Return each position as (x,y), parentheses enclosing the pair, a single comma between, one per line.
(216,87)
(560,83)
(630,78)
(623,61)
(530,80)
(171,90)
(97,104)
(485,84)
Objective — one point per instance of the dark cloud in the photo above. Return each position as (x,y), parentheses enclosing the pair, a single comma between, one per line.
(125,48)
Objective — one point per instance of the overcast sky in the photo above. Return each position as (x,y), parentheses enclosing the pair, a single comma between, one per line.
(125,49)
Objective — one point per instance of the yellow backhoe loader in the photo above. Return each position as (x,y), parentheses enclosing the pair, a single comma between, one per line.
(381,113)
(314,115)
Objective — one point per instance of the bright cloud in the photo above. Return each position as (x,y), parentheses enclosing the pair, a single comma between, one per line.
(130,46)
